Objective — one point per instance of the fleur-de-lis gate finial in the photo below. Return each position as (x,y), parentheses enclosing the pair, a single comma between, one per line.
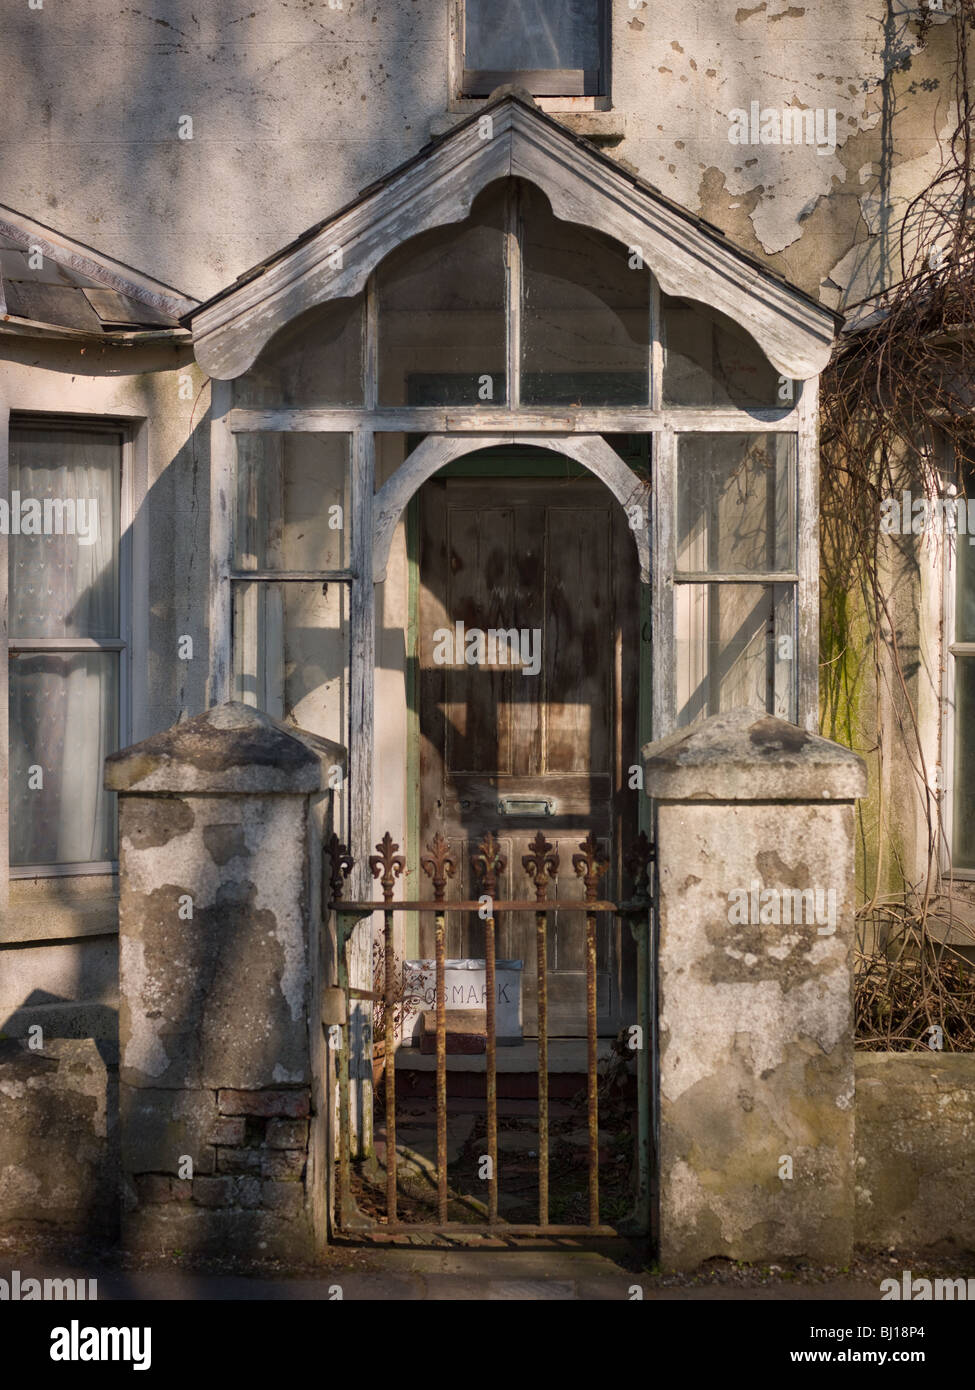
(541,865)
(440,866)
(488,864)
(388,863)
(342,865)
(590,865)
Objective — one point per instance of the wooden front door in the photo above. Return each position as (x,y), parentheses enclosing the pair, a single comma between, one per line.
(553,559)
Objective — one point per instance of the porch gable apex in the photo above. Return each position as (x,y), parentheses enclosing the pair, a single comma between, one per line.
(510,138)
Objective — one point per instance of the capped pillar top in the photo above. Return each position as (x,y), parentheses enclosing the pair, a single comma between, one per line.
(230,749)
(748,755)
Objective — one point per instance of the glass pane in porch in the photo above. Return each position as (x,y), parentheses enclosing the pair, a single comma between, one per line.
(316,360)
(585,330)
(291,653)
(710,360)
(736,503)
(735,645)
(293,509)
(441,299)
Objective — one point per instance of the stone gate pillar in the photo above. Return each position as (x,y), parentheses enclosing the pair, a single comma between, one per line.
(755,875)
(223,1126)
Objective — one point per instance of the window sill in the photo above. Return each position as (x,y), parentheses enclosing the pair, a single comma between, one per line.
(60,909)
(601,127)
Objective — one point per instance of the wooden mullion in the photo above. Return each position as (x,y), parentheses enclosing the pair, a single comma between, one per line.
(723,577)
(370,353)
(656,346)
(68,644)
(807,558)
(435,419)
(292,576)
(662,551)
(222,455)
(513,288)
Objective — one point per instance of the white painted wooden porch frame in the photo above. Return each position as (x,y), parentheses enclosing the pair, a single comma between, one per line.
(375,515)
(437,189)
(591,450)
(510,139)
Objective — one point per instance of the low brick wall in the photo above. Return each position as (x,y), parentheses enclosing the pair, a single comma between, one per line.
(915,1146)
(250,1156)
(59,1154)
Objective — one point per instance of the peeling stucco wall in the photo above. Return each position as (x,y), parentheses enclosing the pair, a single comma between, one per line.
(296,107)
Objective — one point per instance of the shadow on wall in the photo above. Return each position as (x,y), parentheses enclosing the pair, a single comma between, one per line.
(59,1132)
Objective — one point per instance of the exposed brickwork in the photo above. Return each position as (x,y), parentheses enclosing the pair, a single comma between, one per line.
(240,1160)
(213,1192)
(285,1164)
(269,1104)
(228,1131)
(287,1134)
(255,1158)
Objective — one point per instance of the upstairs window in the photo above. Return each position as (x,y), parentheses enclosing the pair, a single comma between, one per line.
(554,48)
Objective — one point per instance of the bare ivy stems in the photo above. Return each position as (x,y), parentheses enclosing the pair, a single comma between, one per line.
(897,412)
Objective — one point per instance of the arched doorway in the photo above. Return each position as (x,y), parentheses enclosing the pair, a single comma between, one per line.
(529,653)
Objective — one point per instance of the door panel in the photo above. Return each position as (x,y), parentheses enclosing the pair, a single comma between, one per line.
(554,556)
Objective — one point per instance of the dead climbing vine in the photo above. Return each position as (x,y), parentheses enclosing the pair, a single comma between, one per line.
(898,405)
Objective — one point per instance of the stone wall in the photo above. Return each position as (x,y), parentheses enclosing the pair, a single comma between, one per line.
(59,1154)
(915,1141)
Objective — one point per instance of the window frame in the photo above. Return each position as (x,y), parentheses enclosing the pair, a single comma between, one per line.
(550,84)
(949,686)
(124,429)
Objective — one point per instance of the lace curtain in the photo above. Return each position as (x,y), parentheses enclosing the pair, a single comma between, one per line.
(63,704)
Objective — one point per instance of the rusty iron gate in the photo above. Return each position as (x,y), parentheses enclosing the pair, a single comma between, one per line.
(542,866)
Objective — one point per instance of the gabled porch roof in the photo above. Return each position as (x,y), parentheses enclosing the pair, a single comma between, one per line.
(689,256)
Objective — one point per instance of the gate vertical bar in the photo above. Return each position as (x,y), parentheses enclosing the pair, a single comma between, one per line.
(542,865)
(345,927)
(492,1068)
(341,866)
(590,865)
(441,921)
(488,864)
(389,865)
(439,867)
